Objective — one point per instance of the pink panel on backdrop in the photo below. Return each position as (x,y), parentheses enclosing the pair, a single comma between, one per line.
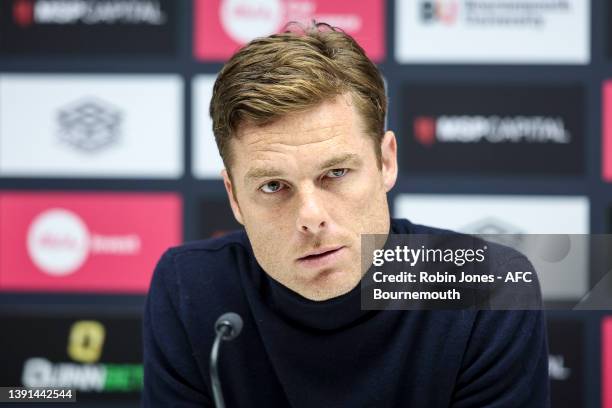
(222,26)
(85,242)
(606,362)
(607,131)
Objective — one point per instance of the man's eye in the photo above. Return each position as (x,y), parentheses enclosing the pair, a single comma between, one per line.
(335,173)
(271,187)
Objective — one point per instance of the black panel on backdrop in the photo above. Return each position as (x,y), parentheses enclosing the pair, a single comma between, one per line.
(492,129)
(216,218)
(99,356)
(88,27)
(565,363)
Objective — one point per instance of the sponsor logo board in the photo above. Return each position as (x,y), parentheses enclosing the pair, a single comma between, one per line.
(85,242)
(88,27)
(103,126)
(484,129)
(99,356)
(519,216)
(607,130)
(492,32)
(222,26)
(207,163)
(606,362)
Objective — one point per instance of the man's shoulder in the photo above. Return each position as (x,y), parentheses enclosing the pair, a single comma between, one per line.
(210,247)
(208,262)
(405,226)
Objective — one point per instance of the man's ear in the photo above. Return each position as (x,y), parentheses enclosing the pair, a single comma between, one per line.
(227,182)
(388,150)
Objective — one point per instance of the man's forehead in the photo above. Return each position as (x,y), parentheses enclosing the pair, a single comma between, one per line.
(263,138)
(319,135)
(332,114)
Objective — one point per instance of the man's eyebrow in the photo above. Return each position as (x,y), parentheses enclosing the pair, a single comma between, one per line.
(265,172)
(262,172)
(341,159)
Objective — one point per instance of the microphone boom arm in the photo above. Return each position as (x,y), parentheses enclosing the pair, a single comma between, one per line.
(228,327)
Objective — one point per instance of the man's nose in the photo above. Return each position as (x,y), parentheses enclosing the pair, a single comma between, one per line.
(312,216)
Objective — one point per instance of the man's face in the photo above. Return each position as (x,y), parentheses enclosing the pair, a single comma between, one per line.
(306,187)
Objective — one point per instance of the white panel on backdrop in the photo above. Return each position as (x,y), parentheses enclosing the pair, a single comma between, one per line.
(481,214)
(492,31)
(91,126)
(510,214)
(206,160)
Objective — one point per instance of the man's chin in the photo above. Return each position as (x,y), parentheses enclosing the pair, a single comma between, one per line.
(328,284)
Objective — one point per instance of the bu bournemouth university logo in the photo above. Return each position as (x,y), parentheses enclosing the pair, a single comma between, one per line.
(444,11)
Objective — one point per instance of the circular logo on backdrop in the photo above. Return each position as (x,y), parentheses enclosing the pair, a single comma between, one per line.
(244,20)
(553,248)
(58,242)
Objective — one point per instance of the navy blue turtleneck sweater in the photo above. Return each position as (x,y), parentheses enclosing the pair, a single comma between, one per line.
(294,352)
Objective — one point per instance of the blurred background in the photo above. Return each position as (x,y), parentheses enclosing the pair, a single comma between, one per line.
(502,108)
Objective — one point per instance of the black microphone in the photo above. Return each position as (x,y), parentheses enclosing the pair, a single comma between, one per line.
(228,327)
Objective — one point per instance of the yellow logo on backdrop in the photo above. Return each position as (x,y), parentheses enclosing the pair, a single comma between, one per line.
(86,341)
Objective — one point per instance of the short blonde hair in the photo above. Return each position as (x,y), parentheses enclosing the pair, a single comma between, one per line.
(291,72)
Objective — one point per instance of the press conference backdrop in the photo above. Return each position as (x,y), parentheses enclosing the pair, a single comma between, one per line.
(503,112)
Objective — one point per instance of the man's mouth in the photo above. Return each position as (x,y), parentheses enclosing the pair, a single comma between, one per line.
(321,258)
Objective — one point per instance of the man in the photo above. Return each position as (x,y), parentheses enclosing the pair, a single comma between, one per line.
(299,121)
